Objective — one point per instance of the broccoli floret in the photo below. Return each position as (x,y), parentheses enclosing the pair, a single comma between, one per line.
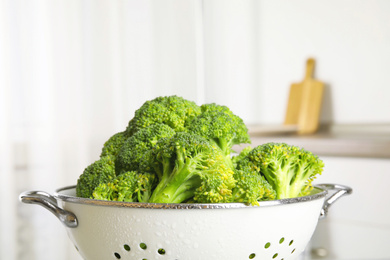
(102,170)
(251,187)
(219,125)
(146,184)
(190,167)
(129,187)
(241,155)
(113,145)
(135,147)
(288,169)
(173,111)
(121,188)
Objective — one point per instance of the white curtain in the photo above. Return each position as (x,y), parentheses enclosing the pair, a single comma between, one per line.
(72,74)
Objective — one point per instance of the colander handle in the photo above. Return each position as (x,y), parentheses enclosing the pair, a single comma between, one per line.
(335,191)
(50,203)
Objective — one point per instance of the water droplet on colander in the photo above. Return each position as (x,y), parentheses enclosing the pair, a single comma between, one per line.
(196,245)
(159,234)
(187,241)
(181,235)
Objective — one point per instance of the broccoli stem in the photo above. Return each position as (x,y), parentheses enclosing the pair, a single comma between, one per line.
(281,182)
(177,191)
(178,184)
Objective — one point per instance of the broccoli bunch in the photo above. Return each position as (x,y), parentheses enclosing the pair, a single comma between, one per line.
(174,151)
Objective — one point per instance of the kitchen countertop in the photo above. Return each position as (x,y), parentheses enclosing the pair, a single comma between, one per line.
(368,140)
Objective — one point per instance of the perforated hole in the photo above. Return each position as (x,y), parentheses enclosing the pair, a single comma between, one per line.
(275,246)
(143,246)
(127,247)
(251,256)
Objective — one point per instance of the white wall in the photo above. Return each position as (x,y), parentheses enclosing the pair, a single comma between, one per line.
(350,41)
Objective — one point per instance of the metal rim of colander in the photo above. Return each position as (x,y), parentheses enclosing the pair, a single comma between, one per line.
(318,193)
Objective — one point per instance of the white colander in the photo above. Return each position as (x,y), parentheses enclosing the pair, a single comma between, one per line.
(278,229)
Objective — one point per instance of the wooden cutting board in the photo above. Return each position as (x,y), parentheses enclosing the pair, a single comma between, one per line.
(305,101)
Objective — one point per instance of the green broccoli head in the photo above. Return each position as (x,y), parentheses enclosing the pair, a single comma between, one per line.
(102,170)
(288,169)
(129,186)
(217,183)
(241,155)
(136,146)
(173,111)
(189,167)
(219,125)
(113,145)
(251,187)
